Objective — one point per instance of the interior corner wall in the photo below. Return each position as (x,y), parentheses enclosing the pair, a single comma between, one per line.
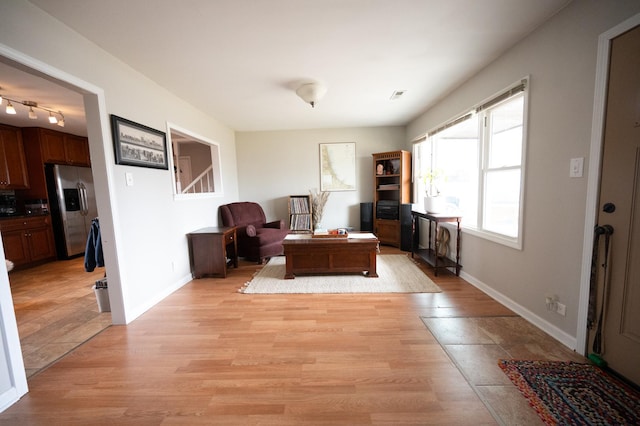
(560,57)
(151,226)
(275,164)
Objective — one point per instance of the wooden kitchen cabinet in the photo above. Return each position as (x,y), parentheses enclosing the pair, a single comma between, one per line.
(28,240)
(76,149)
(49,146)
(13,167)
(59,148)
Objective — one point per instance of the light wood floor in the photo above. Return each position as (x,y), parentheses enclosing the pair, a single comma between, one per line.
(210,355)
(56,310)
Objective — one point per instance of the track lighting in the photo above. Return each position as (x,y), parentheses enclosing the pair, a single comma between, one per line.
(32,113)
(55,117)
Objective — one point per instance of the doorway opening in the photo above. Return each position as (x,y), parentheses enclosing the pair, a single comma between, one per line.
(54,303)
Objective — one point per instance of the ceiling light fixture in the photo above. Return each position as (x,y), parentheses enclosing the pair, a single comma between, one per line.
(311,92)
(32,113)
(54,116)
(397,94)
(10,109)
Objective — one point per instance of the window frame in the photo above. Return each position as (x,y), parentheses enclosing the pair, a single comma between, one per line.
(215,162)
(519,88)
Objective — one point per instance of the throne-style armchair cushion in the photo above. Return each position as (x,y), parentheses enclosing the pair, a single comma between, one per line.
(257,239)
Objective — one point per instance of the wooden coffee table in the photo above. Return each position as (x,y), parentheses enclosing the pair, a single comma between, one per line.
(307,255)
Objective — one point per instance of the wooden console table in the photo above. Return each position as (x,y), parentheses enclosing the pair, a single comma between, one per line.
(209,249)
(429,255)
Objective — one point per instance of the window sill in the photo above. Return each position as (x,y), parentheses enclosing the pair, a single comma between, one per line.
(514,243)
(197,196)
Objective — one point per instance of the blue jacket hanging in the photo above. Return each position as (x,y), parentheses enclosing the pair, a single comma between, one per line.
(93,253)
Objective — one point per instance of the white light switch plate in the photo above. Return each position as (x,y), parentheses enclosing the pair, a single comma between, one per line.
(575,167)
(129,178)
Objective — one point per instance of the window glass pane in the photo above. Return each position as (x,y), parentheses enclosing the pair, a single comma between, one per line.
(478,169)
(502,202)
(506,120)
(456,158)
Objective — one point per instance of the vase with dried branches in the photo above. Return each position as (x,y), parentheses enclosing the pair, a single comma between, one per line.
(318,200)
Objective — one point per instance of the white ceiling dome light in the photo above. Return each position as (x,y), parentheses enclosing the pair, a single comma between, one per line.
(311,92)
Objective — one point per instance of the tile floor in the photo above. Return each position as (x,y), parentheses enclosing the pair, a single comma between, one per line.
(475,344)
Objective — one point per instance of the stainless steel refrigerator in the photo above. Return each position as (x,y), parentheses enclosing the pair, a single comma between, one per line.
(72,202)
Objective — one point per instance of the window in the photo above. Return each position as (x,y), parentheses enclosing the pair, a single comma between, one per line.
(476,164)
(196,164)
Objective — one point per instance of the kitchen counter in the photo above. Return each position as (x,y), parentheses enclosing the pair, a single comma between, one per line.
(22,216)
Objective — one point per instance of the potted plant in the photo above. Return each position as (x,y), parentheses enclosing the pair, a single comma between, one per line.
(433,200)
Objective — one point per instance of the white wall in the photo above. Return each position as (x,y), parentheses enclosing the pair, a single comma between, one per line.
(144,227)
(273,165)
(561,59)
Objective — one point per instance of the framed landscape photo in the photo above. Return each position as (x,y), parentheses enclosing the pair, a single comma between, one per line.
(138,145)
(338,166)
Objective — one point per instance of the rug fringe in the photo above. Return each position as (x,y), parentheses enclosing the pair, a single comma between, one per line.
(245,285)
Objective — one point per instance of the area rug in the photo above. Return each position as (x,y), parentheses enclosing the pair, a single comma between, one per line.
(396,274)
(571,393)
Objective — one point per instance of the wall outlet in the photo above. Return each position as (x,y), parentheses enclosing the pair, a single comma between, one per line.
(561,309)
(551,301)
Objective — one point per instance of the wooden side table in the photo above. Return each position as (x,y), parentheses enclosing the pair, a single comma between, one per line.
(430,254)
(209,249)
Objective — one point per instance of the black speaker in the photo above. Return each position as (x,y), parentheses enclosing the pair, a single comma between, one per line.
(366,217)
(405,227)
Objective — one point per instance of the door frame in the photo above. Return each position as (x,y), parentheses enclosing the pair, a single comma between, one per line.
(182,158)
(594,174)
(98,131)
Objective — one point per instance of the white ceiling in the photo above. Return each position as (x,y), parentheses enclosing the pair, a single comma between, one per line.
(241,60)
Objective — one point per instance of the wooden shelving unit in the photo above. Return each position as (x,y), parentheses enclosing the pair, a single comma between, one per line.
(392,177)
(300,213)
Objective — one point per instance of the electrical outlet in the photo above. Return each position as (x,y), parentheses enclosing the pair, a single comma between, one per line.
(551,301)
(561,309)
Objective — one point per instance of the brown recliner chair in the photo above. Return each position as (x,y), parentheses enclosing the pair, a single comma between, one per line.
(257,239)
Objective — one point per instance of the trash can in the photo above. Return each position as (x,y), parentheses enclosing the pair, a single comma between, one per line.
(102,295)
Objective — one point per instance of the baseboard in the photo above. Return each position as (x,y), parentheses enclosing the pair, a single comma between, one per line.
(541,323)
(8,398)
(159,297)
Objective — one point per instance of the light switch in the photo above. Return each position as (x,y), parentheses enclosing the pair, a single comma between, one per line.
(575,167)
(129,178)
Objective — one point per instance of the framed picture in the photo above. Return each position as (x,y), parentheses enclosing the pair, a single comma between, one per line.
(138,145)
(338,166)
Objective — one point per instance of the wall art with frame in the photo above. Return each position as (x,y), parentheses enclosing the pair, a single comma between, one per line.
(338,166)
(138,145)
